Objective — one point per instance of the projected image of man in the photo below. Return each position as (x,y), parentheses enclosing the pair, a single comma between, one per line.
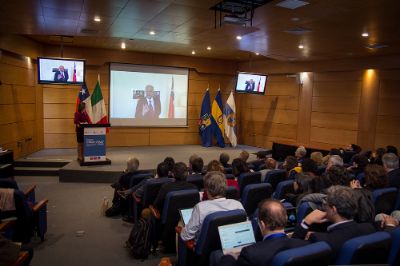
(149,106)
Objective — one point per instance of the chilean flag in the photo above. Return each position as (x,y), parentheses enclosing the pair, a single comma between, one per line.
(74,76)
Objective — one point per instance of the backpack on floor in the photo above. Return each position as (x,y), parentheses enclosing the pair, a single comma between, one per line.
(139,241)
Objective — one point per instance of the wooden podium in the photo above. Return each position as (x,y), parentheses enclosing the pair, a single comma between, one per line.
(94,144)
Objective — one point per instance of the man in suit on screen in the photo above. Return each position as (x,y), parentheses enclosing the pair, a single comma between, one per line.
(61,75)
(148,106)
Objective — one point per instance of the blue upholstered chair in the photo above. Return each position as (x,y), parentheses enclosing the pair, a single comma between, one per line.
(313,254)
(253,194)
(302,210)
(232,193)
(282,188)
(197,180)
(274,177)
(248,178)
(208,239)
(369,249)
(384,199)
(394,255)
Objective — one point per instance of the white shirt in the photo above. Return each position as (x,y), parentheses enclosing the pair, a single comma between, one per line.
(201,210)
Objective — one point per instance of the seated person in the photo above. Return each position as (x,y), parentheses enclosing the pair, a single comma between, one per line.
(215,186)
(179,173)
(300,153)
(391,166)
(340,209)
(270,164)
(317,157)
(213,166)
(359,164)
(239,166)
(192,158)
(244,155)
(272,219)
(334,160)
(61,74)
(224,159)
(302,186)
(170,162)
(290,164)
(309,167)
(196,166)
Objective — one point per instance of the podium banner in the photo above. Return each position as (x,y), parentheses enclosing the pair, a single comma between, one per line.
(94,142)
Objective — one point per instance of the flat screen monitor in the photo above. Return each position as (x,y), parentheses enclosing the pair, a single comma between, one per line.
(61,71)
(148,96)
(251,83)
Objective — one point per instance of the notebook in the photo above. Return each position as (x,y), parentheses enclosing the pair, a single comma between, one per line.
(236,236)
(185,215)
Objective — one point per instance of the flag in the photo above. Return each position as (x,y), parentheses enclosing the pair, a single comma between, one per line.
(98,105)
(84,96)
(205,121)
(74,76)
(230,120)
(218,120)
(259,85)
(171,106)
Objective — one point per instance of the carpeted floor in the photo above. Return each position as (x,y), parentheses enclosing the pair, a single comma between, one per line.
(76,207)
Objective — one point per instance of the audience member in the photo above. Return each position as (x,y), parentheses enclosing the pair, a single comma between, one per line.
(197,165)
(215,166)
(302,186)
(239,166)
(300,153)
(215,186)
(340,209)
(270,164)
(309,167)
(224,159)
(170,162)
(376,156)
(391,149)
(272,219)
(391,166)
(290,164)
(244,155)
(180,173)
(375,177)
(334,160)
(317,157)
(192,158)
(359,164)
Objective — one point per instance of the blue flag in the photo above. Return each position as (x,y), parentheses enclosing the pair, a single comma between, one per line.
(205,121)
(218,120)
(230,120)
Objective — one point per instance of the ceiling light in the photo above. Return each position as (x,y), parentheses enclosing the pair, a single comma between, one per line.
(152,32)
(257,53)
(238,37)
(97,19)
(365,34)
(123,46)
(193,52)
(208,48)
(301,46)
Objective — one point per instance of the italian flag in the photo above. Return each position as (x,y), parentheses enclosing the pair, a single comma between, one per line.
(98,106)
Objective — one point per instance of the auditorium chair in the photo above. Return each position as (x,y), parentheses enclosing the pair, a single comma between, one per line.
(384,199)
(169,217)
(309,255)
(282,189)
(361,178)
(228,170)
(232,193)
(302,210)
(197,180)
(321,169)
(137,178)
(5,228)
(369,249)
(274,177)
(394,254)
(190,253)
(256,164)
(253,194)
(248,178)
(229,176)
(150,192)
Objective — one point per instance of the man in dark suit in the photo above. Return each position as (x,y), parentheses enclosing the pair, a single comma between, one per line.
(391,165)
(340,209)
(148,106)
(61,75)
(180,173)
(250,85)
(272,219)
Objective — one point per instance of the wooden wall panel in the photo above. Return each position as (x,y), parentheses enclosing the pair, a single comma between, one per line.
(338,121)
(334,137)
(344,105)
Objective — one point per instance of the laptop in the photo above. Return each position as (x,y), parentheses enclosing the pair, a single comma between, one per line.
(185,215)
(292,219)
(236,236)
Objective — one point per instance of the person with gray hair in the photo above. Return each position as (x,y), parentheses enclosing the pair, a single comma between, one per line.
(215,186)
(391,166)
(334,160)
(300,153)
(340,209)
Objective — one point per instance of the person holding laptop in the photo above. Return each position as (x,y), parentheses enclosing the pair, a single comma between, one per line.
(272,219)
(215,185)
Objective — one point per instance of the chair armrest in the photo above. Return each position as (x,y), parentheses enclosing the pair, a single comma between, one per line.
(136,198)
(23,256)
(39,205)
(30,190)
(155,212)
(6,224)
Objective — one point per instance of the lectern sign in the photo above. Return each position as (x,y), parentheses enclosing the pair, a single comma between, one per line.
(94,144)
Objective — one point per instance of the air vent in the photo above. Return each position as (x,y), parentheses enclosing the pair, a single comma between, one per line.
(89,31)
(292,4)
(376,46)
(298,31)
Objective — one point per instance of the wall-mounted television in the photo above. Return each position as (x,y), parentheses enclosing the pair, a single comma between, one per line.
(61,70)
(251,83)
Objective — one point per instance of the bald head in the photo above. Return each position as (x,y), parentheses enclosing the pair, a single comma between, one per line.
(273,214)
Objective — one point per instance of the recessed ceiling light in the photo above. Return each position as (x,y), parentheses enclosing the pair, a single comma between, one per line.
(365,34)
(295,19)
(193,52)
(301,46)
(152,32)
(123,45)
(238,37)
(257,53)
(97,19)
(208,48)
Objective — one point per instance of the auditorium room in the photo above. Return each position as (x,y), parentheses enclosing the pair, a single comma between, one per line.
(196,133)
